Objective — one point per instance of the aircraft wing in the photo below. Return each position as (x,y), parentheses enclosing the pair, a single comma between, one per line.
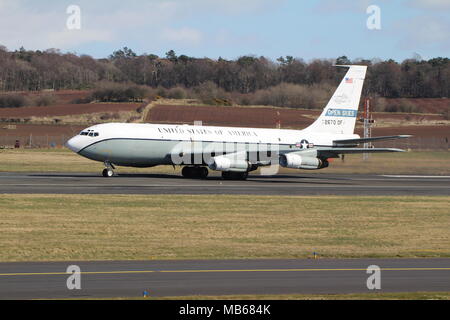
(334,152)
(357,150)
(354,142)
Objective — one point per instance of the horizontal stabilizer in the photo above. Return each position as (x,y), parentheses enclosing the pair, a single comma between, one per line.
(365,150)
(351,142)
(330,152)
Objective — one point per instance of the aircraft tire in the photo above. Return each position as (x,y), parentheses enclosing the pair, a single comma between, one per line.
(235,175)
(107,173)
(203,172)
(195,172)
(186,172)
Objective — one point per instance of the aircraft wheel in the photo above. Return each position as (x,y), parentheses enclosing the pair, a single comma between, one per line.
(187,172)
(108,173)
(226,175)
(203,172)
(244,176)
(235,175)
(195,172)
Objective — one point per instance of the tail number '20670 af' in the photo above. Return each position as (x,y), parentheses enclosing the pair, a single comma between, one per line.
(332,122)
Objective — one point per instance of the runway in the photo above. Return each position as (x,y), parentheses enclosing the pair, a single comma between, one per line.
(292,184)
(222,277)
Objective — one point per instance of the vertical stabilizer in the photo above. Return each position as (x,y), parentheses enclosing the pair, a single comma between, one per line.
(339,116)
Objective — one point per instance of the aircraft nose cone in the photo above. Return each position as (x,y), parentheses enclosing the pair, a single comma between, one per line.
(74,144)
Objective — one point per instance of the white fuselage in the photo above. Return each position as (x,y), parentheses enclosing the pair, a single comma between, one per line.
(154,144)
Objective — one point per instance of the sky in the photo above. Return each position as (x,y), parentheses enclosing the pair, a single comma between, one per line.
(306,29)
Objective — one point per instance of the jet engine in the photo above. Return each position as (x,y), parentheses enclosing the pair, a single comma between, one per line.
(226,164)
(295,161)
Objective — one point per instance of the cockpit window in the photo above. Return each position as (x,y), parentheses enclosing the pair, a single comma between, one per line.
(89,133)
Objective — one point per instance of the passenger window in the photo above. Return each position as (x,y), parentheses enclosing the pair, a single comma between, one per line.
(96,134)
(91,134)
(84,133)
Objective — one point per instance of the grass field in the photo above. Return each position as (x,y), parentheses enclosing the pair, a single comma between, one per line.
(357,296)
(63,160)
(122,227)
(353,296)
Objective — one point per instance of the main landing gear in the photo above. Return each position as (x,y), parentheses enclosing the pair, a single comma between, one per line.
(229,175)
(202,173)
(195,172)
(108,172)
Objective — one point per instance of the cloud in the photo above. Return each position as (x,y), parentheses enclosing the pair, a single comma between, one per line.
(72,38)
(234,7)
(424,32)
(333,6)
(215,27)
(165,22)
(184,36)
(431,4)
(225,38)
(43,27)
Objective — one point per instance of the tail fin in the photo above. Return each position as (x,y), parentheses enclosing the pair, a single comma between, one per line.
(339,116)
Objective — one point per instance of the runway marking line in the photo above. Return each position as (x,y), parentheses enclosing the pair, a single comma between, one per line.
(216,271)
(415,177)
(110,186)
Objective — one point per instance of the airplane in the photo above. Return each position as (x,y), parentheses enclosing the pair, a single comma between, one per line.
(230,150)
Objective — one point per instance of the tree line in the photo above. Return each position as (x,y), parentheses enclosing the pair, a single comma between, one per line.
(25,70)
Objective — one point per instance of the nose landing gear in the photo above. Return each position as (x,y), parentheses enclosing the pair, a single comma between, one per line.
(108,172)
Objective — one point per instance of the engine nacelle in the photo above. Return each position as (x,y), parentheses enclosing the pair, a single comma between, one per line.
(295,161)
(227,164)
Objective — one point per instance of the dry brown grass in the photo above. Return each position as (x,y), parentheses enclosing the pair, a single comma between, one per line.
(355,296)
(89,119)
(120,227)
(63,160)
